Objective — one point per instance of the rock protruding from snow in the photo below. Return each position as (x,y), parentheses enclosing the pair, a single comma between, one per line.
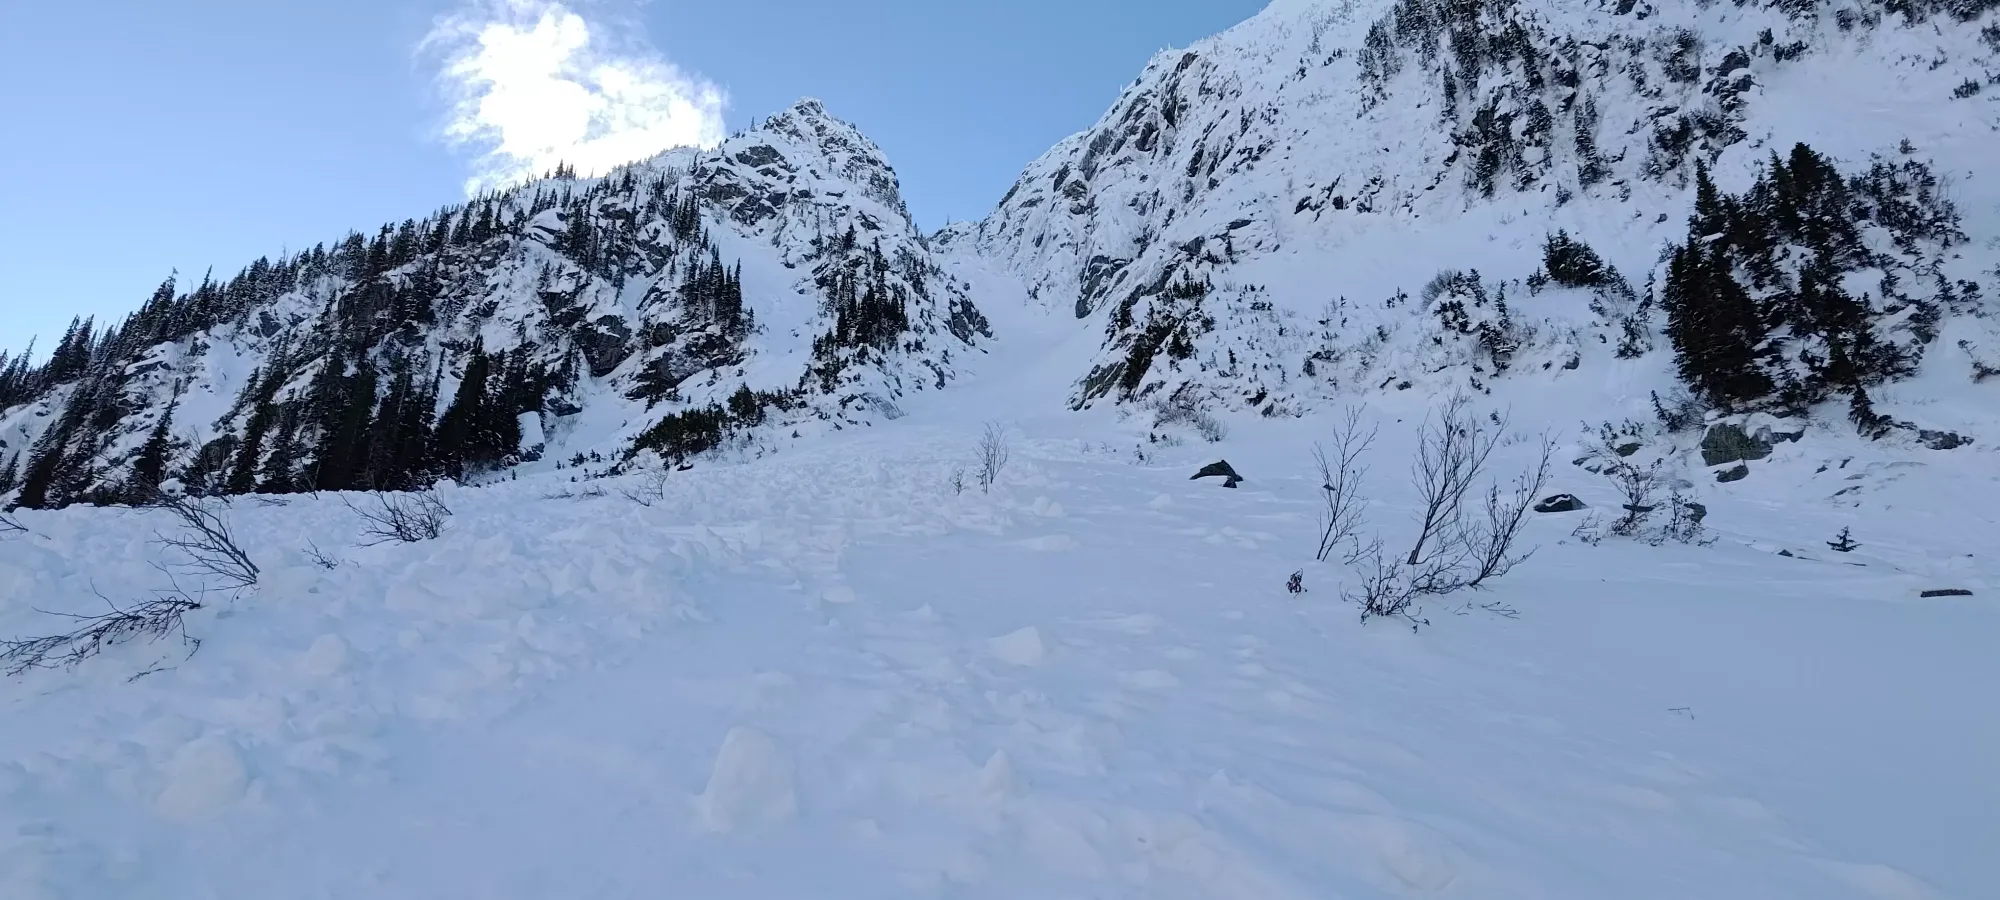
(1559,503)
(1220,469)
(751,786)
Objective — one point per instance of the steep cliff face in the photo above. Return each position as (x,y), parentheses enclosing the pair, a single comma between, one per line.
(660,306)
(1356,194)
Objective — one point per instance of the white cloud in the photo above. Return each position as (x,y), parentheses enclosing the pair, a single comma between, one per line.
(533,84)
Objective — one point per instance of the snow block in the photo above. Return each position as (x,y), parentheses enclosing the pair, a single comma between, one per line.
(1021,648)
(205,776)
(751,785)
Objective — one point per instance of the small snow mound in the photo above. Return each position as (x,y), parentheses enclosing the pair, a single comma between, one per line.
(751,785)
(1160,501)
(204,777)
(1414,856)
(1150,679)
(1051,543)
(996,778)
(1046,508)
(838,594)
(1021,648)
(1880,881)
(326,657)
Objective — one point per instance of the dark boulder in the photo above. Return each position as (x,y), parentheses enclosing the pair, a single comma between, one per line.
(1729,443)
(1559,503)
(1738,473)
(1219,469)
(1942,440)
(606,344)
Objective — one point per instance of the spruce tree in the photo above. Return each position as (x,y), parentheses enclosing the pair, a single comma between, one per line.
(249,453)
(458,430)
(279,476)
(149,469)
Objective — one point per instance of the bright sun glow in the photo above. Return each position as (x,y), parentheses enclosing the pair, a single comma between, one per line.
(534,84)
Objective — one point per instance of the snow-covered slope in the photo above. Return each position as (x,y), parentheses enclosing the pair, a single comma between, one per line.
(1252,218)
(844,666)
(825,673)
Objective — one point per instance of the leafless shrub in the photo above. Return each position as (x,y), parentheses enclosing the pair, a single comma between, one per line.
(1183,409)
(1384,592)
(9,526)
(161,617)
(407,518)
(650,486)
(1452,451)
(589,493)
(1637,485)
(320,558)
(1684,523)
(1461,542)
(994,452)
(1341,474)
(1490,540)
(957,481)
(206,540)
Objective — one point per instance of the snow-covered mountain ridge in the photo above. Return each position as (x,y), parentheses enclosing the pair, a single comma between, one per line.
(1249,222)
(777,276)
(1335,196)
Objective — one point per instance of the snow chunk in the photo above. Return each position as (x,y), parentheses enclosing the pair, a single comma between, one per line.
(326,658)
(996,778)
(204,777)
(751,785)
(1021,648)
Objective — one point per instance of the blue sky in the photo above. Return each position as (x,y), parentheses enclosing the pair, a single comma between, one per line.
(144,136)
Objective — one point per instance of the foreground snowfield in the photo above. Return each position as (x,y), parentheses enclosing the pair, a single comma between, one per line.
(824,674)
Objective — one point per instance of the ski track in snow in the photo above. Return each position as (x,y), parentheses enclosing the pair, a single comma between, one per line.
(824,673)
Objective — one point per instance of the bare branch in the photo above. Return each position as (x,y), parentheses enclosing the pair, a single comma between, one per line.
(208,542)
(1491,542)
(407,518)
(994,453)
(320,558)
(9,526)
(1384,591)
(153,619)
(1637,486)
(1452,451)
(1341,474)
(650,486)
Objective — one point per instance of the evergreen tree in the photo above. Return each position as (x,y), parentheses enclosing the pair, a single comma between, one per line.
(43,466)
(458,430)
(10,474)
(250,452)
(149,469)
(1714,327)
(279,475)
(344,435)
